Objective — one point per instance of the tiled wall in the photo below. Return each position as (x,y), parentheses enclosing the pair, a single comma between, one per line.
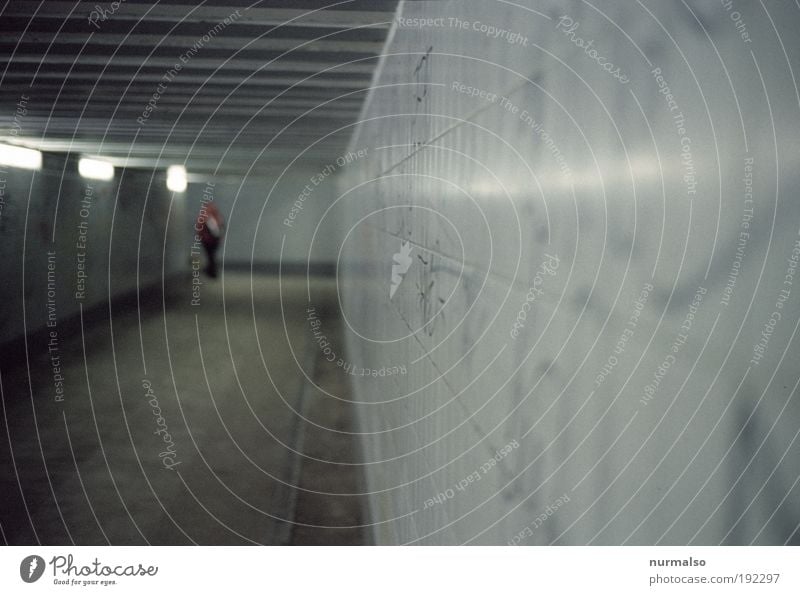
(555,196)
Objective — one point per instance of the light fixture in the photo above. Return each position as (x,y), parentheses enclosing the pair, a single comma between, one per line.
(176,178)
(96,169)
(21,157)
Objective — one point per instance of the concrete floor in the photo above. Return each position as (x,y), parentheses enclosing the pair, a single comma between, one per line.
(225,376)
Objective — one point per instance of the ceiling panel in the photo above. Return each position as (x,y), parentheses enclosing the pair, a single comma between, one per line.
(255,81)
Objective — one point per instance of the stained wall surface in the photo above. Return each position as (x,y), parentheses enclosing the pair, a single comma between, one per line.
(568,274)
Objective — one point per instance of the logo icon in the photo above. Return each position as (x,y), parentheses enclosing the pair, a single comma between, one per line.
(31,569)
(402,262)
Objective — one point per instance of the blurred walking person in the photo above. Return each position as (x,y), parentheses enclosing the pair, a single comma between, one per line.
(210,227)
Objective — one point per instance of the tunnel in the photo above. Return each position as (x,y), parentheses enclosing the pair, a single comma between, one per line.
(381,273)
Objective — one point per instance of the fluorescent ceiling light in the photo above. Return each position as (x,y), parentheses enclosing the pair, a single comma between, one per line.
(21,157)
(176,178)
(96,169)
